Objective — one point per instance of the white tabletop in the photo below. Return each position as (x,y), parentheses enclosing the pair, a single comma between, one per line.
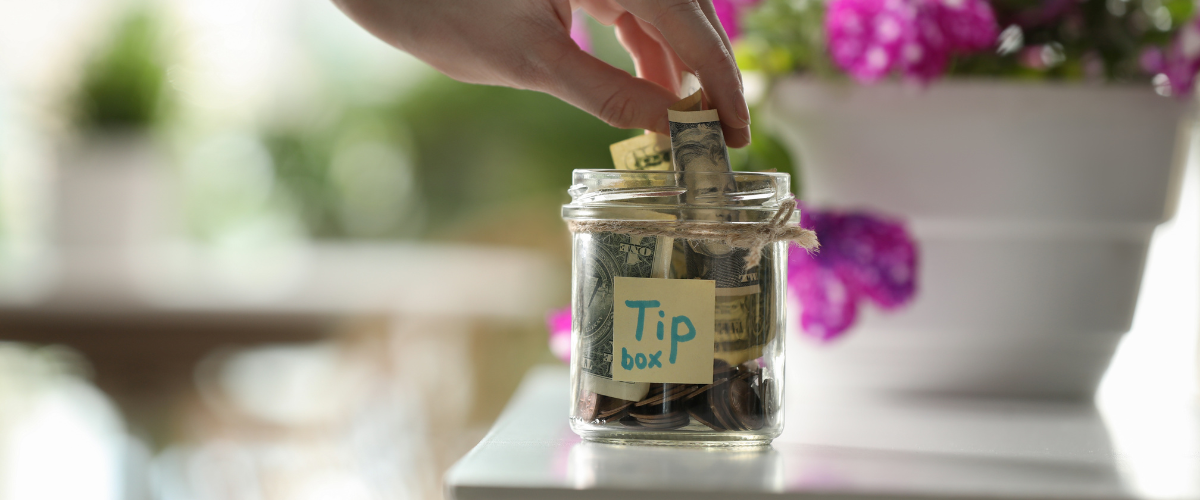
(894,447)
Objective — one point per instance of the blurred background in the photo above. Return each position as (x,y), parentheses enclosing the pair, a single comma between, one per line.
(247,252)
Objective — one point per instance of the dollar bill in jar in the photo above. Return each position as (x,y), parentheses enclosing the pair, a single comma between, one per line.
(744,302)
(607,256)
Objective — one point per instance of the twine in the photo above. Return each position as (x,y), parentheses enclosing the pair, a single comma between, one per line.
(752,236)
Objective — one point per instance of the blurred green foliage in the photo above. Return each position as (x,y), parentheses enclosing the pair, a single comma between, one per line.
(122,85)
(478,146)
(782,36)
(469,149)
(475,154)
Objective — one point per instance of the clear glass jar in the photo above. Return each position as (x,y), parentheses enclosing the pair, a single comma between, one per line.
(615,398)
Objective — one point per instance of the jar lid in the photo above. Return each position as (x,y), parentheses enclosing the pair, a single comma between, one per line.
(648,195)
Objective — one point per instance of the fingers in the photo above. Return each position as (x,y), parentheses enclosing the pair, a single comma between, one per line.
(605,12)
(649,57)
(701,47)
(711,13)
(679,68)
(618,98)
(658,62)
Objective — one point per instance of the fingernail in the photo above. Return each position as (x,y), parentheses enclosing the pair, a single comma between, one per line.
(743,111)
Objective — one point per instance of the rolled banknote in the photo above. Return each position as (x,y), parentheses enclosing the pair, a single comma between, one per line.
(699,153)
(743,304)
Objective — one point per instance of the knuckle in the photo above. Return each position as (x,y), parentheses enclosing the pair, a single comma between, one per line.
(535,67)
(669,10)
(530,69)
(718,60)
(618,110)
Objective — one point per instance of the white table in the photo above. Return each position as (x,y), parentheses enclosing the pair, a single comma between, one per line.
(851,449)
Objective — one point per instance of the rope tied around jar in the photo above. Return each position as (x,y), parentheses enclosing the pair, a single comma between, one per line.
(751,236)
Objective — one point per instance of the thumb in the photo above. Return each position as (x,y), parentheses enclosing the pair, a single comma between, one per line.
(618,98)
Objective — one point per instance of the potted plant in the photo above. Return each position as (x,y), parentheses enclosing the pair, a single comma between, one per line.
(110,179)
(1030,146)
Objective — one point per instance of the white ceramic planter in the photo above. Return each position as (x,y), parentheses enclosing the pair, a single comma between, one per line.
(1033,205)
(111,191)
(111,200)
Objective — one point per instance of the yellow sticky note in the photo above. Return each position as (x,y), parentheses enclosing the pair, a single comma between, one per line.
(663,330)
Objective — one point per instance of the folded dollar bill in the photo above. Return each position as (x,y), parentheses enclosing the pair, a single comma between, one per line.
(649,151)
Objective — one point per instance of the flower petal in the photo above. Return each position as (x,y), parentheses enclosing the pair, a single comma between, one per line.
(828,306)
(558,322)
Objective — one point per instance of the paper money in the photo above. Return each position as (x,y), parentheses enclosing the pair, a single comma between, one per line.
(607,256)
(604,257)
(743,309)
(698,151)
(644,152)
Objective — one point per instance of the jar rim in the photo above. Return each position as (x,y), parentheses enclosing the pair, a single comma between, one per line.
(598,194)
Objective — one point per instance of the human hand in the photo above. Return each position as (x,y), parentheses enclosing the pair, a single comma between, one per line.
(526,44)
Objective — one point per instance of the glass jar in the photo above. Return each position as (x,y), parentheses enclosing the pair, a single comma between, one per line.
(642,370)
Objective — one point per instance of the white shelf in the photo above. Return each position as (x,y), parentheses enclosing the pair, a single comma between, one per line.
(864,448)
(320,279)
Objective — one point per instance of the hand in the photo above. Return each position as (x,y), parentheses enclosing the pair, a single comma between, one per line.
(526,44)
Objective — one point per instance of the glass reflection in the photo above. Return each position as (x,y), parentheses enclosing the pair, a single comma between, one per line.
(597,465)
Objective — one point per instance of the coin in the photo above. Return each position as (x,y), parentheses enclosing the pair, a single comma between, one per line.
(667,403)
(671,420)
(672,393)
(613,410)
(735,401)
(701,412)
(718,403)
(744,405)
(588,406)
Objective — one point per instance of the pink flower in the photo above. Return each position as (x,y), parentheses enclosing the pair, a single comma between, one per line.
(829,307)
(866,37)
(862,256)
(729,13)
(1152,60)
(926,56)
(559,324)
(872,38)
(968,25)
(1180,62)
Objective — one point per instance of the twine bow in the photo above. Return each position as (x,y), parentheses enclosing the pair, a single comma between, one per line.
(751,236)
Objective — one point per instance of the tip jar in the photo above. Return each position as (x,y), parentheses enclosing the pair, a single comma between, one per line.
(677,337)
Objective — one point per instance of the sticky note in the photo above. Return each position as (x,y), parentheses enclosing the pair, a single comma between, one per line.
(663,330)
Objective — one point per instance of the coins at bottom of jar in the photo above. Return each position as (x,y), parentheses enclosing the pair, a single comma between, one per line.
(735,401)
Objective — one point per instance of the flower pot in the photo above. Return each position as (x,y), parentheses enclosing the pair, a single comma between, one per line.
(1033,205)
(111,190)
(111,201)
